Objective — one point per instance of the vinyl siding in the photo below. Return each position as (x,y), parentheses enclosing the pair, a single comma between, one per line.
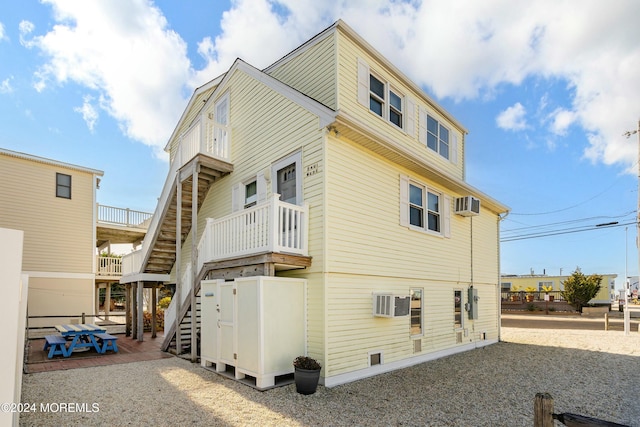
(58,232)
(348,55)
(369,251)
(266,127)
(312,72)
(59,297)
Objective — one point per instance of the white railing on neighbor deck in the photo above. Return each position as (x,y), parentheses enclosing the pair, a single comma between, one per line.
(273,226)
(197,139)
(108,266)
(120,216)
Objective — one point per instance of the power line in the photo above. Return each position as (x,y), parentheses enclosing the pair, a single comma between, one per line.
(566,231)
(571,221)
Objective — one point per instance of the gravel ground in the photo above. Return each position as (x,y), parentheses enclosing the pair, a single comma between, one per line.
(592,373)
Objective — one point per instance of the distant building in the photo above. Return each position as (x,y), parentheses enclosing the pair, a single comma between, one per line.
(537,281)
(54,203)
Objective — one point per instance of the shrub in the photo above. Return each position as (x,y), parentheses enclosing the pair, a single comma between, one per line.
(146,320)
(164,303)
(304,362)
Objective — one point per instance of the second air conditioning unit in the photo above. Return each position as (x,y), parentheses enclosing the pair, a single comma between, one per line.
(389,305)
(467,206)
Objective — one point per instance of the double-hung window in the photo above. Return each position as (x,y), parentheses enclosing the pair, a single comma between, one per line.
(438,138)
(424,208)
(386,101)
(63,186)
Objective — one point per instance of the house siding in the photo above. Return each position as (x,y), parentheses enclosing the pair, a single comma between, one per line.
(371,252)
(266,127)
(348,55)
(58,232)
(312,72)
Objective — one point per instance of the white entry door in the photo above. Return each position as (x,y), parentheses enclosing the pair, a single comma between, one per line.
(226,324)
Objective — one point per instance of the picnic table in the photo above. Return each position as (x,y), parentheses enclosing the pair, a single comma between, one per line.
(82,336)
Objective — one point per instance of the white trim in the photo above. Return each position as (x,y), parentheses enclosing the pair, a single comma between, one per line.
(144,277)
(363,83)
(59,275)
(284,162)
(325,114)
(50,162)
(359,374)
(410,117)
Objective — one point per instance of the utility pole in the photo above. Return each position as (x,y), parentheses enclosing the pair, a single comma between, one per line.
(626,293)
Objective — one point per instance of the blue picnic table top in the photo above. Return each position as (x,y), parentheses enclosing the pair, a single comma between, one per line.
(83,336)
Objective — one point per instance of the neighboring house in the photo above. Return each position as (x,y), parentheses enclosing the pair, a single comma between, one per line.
(322,204)
(537,281)
(54,204)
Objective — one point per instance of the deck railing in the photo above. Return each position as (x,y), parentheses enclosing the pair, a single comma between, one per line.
(131,262)
(108,266)
(273,226)
(196,140)
(126,217)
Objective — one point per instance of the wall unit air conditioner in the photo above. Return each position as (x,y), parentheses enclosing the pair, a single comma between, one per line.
(467,206)
(389,305)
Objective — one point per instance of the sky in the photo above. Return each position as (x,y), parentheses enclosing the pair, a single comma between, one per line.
(546,89)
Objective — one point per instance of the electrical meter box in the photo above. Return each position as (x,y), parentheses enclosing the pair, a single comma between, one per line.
(473,303)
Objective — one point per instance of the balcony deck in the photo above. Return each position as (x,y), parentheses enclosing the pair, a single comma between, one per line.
(120,225)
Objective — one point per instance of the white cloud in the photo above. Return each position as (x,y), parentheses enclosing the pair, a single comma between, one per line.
(123,51)
(454,48)
(561,119)
(513,118)
(25,28)
(3,35)
(5,86)
(88,111)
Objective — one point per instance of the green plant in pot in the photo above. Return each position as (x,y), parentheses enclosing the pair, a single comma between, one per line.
(306,374)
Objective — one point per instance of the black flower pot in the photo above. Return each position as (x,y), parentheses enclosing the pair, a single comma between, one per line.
(306,380)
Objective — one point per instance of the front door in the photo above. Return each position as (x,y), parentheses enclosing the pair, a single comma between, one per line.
(287,184)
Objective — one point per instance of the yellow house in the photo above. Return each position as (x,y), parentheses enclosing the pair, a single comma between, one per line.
(521,282)
(320,206)
(54,204)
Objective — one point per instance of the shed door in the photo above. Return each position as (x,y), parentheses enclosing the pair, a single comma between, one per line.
(226,324)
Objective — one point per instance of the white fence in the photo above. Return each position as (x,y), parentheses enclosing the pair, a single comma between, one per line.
(108,266)
(274,226)
(120,216)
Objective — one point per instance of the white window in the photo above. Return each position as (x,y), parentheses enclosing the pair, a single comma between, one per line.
(250,194)
(437,137)
(384,100)
(422,208)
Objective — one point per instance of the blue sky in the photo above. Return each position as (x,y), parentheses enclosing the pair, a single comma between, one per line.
(546,90)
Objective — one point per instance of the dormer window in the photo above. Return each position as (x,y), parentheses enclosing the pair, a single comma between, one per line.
(437,137)
(381,98)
